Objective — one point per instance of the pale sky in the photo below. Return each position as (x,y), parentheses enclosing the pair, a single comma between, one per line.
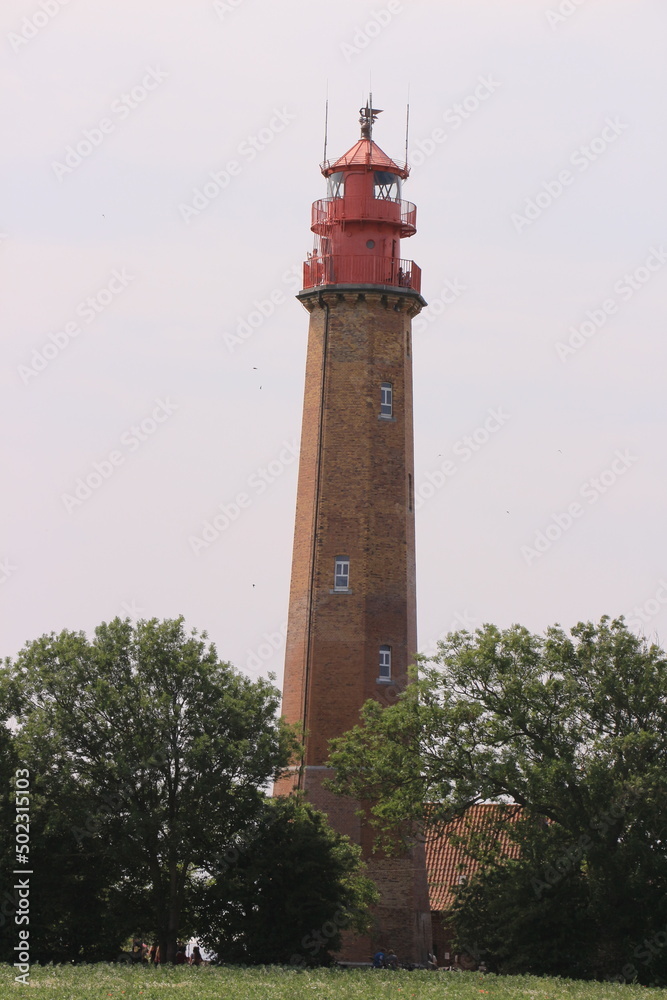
(538,141)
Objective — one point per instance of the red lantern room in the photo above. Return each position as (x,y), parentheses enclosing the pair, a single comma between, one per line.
(360,223)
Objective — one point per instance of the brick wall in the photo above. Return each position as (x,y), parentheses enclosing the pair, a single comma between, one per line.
(358,465)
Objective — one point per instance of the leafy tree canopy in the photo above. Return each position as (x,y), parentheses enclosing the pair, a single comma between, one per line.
(574,729)
(287,891)
(154,756)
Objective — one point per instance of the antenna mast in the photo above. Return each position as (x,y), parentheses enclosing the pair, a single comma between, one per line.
(407,128)
(326,128)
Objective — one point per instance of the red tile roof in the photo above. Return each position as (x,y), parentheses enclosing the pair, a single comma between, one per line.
(446,862)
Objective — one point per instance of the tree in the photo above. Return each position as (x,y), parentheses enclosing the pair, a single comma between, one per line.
(289,889)
(167,748)
(572,728)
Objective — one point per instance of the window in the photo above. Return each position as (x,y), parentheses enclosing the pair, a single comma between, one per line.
(411,495)
(342,573)
(386,399)
(385,663)
(387,186)
(336,185)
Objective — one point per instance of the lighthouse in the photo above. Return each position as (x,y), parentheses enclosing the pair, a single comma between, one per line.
(352,609)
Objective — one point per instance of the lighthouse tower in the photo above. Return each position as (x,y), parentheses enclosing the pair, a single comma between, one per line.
(352,614)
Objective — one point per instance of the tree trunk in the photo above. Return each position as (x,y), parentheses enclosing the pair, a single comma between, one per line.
(174,912)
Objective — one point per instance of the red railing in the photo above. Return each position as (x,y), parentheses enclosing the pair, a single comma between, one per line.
(355,269)
(327,211)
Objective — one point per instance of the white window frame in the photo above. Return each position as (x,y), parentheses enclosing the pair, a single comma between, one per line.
(386,400)
(342,571)
(384,673)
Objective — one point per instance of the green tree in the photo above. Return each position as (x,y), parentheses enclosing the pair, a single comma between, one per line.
(502,915)
(166,749)
(289,888)
(574,729)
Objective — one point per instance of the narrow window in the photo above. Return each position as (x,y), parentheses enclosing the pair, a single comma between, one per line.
(386,399)
(336,185)
(387,186)
(407,343)
(342,573)
(385,663)
(411,497)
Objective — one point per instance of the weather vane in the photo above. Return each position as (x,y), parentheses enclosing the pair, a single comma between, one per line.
(368,116)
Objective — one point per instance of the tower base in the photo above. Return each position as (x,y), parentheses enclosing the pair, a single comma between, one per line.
(402,917)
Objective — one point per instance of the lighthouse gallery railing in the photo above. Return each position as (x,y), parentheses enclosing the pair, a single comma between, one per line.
(354,269)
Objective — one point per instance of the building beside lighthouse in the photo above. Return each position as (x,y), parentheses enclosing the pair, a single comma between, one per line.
(352,609)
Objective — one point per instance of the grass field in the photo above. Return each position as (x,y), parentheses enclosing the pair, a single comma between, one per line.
(100,982)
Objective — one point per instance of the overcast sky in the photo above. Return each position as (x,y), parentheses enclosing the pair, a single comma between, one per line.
(137,357)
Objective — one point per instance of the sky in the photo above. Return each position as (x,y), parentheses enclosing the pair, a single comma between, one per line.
(158,166)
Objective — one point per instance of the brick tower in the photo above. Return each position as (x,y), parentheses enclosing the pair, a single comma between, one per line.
(352,613)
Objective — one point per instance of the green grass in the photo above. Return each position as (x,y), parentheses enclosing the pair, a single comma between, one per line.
(100,982)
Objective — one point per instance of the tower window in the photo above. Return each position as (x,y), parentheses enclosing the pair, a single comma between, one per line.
(387,186)
(386,399)
(336,185)
(411,494)
(385,663)
(342,573)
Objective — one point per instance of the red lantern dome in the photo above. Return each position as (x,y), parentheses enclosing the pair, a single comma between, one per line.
(360,223)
